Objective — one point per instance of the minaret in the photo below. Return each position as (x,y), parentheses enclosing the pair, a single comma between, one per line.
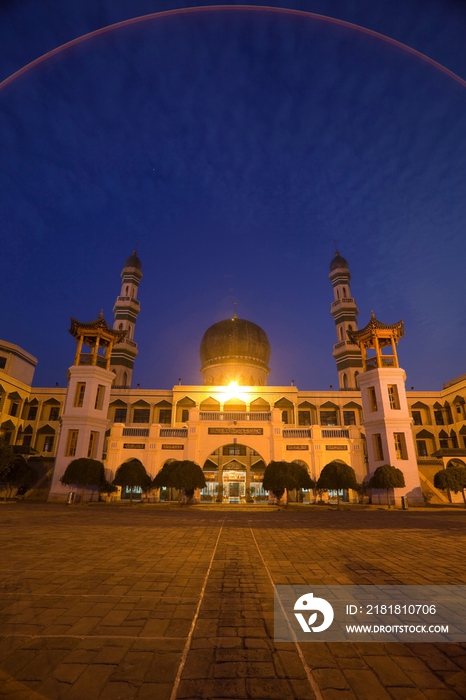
(125,313)
(344,312)
(85,416)
(387,420)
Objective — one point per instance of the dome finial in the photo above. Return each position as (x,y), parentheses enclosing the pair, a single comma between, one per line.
(133,260)
(338,262)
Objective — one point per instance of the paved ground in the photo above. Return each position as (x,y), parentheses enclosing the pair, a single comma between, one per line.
(113,603)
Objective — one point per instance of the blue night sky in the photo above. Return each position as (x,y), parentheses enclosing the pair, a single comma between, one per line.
(235,146)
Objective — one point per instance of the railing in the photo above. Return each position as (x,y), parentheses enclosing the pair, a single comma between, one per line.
(174,432)
(228,416)
(136,432)
(343,433)
(86,358)
(129,342)
(387,361)
(348,300)
(343,343)
(297,433)
(135,301)
(121,386)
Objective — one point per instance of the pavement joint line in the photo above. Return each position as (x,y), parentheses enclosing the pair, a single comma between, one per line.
(60,572)
(96,595)
(187,646)
(306,667)
(85,636)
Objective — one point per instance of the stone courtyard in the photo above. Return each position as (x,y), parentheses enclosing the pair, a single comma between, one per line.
(108,602)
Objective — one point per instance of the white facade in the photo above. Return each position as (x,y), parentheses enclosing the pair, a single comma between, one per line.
(388,428)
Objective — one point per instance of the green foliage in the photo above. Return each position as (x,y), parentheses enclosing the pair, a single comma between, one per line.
(281,475)
(7,458)
(275,478)
(164,476)
(133,474)
(84,472)
(336,476)
(181,474)
(387,477)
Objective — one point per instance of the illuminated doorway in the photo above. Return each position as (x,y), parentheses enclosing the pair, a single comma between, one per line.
(234,474)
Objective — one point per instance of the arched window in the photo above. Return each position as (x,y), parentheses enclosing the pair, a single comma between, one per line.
(127,290)
(356,374)
(125,378)
(350,327)
(341,333)
(345,381)
(344,292)
(338,293)
(120,327)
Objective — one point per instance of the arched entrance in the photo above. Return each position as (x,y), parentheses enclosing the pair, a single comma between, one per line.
(234,474)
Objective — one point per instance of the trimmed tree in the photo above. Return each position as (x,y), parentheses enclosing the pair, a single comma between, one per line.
(451,479)
(22,475)
(164,476)
(387,477)
(281,476)
(183,475)
(84,472)
(302,479)
(133,474)
(337,476)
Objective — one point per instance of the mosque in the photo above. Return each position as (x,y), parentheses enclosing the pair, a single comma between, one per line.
(232,423)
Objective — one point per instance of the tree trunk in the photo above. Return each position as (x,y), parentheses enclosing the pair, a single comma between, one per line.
(464,497)
(131,496)
(82,494)
(338,499)
(388,497)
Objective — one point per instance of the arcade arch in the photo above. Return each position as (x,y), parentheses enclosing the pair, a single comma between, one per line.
(233,472)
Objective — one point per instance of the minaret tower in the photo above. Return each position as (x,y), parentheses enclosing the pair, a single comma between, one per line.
(344,312)
(85,416)
(125,313)
(387,421)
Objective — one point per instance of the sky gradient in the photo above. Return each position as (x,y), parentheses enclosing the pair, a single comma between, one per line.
(235,146)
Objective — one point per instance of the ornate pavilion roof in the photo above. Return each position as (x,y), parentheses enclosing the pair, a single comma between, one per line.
(377,328)
(93,327)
